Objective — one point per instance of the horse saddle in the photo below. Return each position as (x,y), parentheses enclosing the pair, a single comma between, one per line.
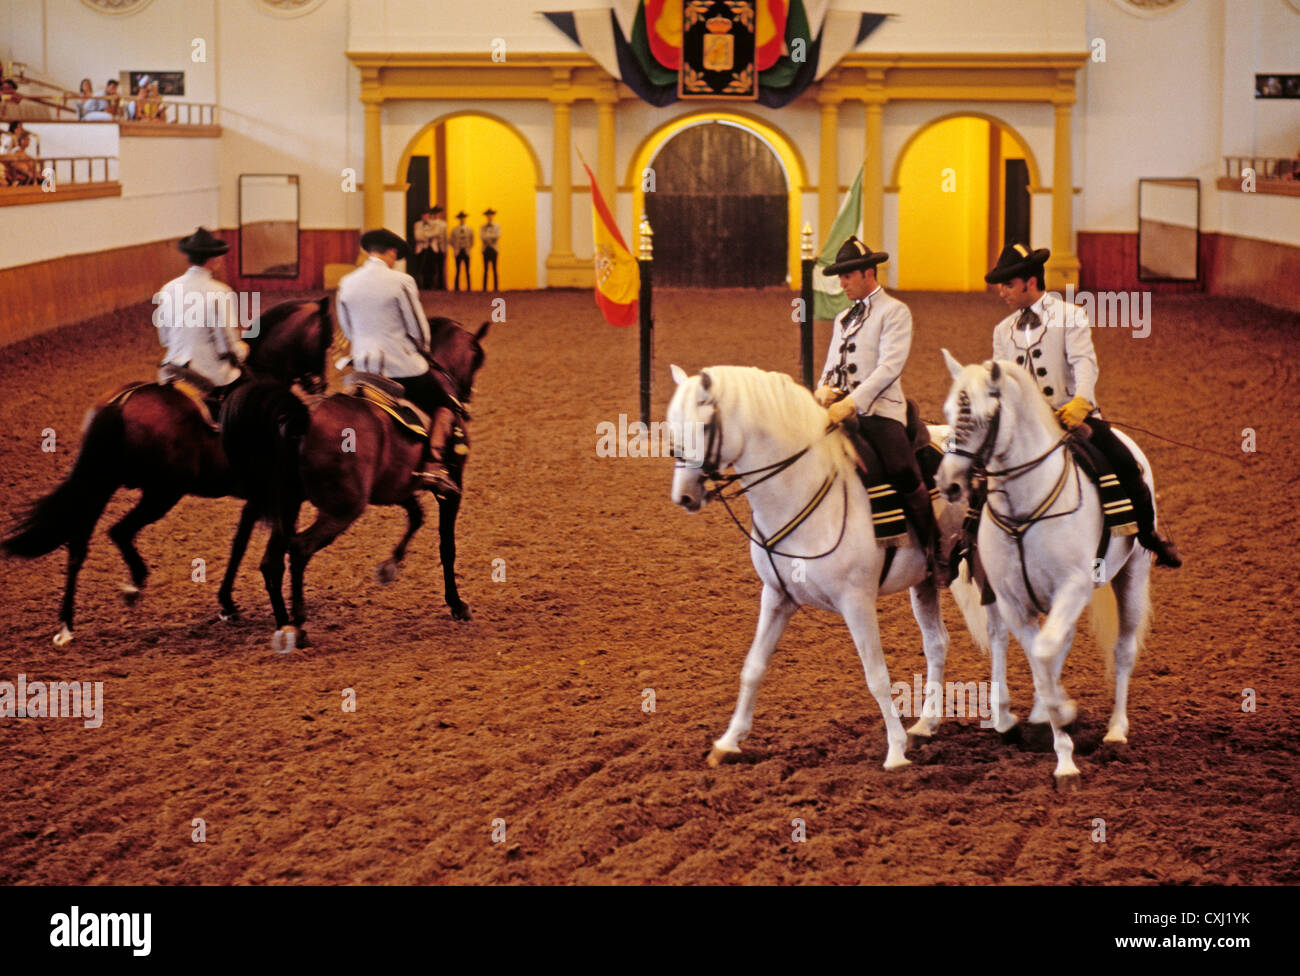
(1116,506)
(388,396)
(194,385)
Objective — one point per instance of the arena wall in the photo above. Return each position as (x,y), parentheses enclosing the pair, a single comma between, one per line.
(1172,97)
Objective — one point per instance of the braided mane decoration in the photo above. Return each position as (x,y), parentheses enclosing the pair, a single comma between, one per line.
(965,423)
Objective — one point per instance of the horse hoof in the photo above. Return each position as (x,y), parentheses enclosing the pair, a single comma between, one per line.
(64,637)
(1039,716)
(899,763)
(717,756)
(1115,739)
(284,640)
(229,614)
(1069,712)
(130,593)
(1068,782)
(386,572)
(460,611)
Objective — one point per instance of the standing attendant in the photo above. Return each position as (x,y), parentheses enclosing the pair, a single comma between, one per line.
(379,312)
(438,249)
(423,269)
(869,347)
(490,235)
(462,241)
(212,348)
(1052,340)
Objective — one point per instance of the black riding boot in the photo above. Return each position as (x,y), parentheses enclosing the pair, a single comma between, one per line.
(920,514)
(1130,478)
(1145,512)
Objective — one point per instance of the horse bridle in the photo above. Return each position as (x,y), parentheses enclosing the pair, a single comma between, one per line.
(978,475)
(709,473)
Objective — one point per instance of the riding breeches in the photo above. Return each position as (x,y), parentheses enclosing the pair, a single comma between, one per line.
(427,394)
(889,438)
(1120,458)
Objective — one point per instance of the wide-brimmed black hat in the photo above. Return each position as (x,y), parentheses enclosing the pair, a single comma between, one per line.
(855,256)
(462,215)
(1017,261)
(203,244)
(383,239)
(489,212)
(436,209)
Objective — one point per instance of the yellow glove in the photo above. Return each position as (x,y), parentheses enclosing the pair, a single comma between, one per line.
(1074,413)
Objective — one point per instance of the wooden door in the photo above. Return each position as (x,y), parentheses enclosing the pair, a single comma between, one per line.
(719,210)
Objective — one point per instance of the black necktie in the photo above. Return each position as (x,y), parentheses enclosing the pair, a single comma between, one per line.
(1028,319)
(857,313)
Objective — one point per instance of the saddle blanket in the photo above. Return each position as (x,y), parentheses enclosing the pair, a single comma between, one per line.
(386,394)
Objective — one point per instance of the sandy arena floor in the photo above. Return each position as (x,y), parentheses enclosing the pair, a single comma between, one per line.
(532,712)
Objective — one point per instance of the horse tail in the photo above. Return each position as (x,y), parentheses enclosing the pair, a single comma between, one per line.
(79,501)
(1103,617)
(966,593)
(262,426)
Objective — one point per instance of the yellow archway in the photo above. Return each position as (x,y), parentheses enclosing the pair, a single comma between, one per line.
(486,162)
(952,201)
(791,162)
(1034,181)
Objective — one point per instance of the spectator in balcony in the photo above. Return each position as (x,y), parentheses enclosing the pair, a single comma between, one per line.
(117,106)
(150,107)
(15,105)
(91,107)
(17,132)
(22,167)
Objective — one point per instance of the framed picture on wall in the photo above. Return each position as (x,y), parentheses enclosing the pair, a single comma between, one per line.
(169,82)
(1277,86)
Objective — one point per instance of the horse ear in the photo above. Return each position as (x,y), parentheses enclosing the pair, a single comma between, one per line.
(706,382)
(482,331)
(679,374)
(324,305)
(995,371)
(954,367)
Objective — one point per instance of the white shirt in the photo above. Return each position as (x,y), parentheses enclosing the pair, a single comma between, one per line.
(380,314)
(1057,352)
(198,324)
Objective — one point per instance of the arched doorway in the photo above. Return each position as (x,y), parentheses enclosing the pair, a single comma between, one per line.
(963,193)
(473,162)
(646,179)
(719,210)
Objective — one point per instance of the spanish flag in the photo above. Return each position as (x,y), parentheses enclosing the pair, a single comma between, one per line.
(618,278)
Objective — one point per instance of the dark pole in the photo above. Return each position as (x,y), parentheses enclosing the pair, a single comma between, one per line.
(806,320)
(646,265)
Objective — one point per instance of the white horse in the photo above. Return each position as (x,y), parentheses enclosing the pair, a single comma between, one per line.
(812,540)
(1038,541)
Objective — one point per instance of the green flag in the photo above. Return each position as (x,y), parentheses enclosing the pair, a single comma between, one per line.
(828,297)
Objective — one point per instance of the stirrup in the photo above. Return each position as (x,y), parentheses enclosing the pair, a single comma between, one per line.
(437,481)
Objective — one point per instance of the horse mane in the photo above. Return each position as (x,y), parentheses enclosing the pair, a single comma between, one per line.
(1036,404)
(780,407)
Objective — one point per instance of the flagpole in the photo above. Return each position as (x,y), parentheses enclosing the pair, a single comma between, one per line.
(806,319)
(646,265)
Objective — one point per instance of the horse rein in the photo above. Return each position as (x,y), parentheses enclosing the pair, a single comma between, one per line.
(1014,525)
(710,473)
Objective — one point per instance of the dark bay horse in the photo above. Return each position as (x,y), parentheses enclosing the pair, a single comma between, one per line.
(344,456)
(155,438)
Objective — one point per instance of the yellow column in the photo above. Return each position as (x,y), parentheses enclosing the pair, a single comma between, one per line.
(373,178)
(1063,266)
(873,178)
(828,178)
(606,146)
(563,269)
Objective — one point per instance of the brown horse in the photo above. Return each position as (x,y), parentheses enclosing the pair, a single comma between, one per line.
(348,454)
(155,438)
